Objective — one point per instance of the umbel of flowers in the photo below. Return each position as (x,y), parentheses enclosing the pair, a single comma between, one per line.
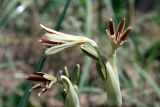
(106,65)
(67,82)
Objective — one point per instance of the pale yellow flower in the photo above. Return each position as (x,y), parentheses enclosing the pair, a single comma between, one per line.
(60,41)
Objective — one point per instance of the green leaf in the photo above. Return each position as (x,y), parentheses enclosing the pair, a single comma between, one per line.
(102,61)
(65,72)
(88,50)
(100,72)
(60,48)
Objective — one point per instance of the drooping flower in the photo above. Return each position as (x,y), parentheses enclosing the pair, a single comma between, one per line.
(44,81)
(60,41)
(71,99)
(118,37)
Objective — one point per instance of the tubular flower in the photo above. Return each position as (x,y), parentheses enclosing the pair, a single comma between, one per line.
(60,41)
(44,81)
(118,37)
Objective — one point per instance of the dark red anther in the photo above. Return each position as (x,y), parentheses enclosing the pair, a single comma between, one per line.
(111,27)
(120,27)
(125,34)
(47,41)
(36,78)
(39,73)
(36,87)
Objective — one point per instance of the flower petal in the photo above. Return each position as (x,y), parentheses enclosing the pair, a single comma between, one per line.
(47,42)
(47,29)
(125,33)
(35,78)
(61,47)
(111,27)
(36,87)
(53,38)
(120,27)
(88,50)
(50,77)
(67,36)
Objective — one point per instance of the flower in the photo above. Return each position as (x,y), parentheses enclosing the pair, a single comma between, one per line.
(71,99)
(119,37)
(44,81)
(60,41)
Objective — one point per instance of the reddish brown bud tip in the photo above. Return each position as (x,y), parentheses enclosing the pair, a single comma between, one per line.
(36,78)
(39,73)
(120,27)
(111,26)
(36,87)
(47,42)
(125,34)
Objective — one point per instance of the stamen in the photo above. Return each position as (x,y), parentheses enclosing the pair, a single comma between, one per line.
(125,34)
(120,27)
(47,41)
(35,78)
(111,27)
(36,87)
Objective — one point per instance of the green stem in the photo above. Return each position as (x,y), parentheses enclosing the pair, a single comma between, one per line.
(60,19)
(114,97)
(112,60)
(112,83)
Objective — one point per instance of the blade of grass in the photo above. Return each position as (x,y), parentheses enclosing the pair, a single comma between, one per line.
(111,10)
(1,100)
(3,4)
(131,12)
(13,12)
(127,84)
(8,10)
(135,101)
(148,78)
(141,71)
(24,100)
(144,73)
(92,90)
(42,58)
(126,81)
(8,64)
(87,61)
(9,58)
(100,25)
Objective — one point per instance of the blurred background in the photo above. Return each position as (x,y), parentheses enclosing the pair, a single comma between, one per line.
(138,60)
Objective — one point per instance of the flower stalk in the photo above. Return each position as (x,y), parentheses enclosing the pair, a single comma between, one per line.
(106,65)
(117,39)
(67,82)
(112,85)
(44,81)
